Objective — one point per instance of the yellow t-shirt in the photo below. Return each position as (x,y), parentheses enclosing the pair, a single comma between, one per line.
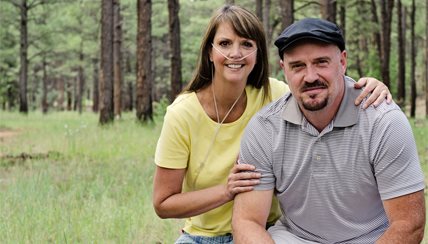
(186,141)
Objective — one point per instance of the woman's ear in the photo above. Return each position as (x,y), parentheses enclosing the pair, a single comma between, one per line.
(210,52)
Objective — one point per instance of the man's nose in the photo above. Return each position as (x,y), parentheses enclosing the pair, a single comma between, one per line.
(311,74)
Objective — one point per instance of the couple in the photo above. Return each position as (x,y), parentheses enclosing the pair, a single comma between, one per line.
(196,176)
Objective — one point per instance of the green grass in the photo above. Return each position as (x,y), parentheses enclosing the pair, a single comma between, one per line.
(64,179)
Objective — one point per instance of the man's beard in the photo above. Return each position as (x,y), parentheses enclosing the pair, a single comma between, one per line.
(314,106)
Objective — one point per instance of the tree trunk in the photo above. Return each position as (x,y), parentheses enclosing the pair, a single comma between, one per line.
(360,41)
(342,17)
(401,88)
(69,96)
(106,67)
(80,85)
(174,40)
(413,61)
(95,88)
(45,87)
(117,55)
(266,21)
(10,94)
(144,61)
(131,96)
(75,89)
(328,10)
(61,93)
(23,55)
(33,87)
(426,59)
(375,20)
(287,13)
(386,13)
(259,8)
(80,79)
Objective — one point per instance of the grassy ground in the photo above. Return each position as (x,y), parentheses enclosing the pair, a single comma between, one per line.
(64,179)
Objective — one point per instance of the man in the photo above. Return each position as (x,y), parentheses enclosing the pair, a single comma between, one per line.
(342,174)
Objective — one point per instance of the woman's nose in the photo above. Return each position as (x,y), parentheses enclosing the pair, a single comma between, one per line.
(235,51)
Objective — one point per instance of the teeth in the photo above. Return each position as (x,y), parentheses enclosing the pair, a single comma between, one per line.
(234,66)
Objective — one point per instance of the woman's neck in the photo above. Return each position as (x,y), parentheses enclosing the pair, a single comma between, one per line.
(226,93)
(223,102)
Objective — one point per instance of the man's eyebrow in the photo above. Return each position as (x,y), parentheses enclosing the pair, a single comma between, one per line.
(291,63)
(323,58)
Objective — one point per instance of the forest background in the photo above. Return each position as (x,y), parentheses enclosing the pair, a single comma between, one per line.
(84,85)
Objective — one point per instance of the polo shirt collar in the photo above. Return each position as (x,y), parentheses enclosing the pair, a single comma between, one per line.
(347,115)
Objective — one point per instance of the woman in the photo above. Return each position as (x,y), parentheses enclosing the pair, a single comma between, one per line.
(196,176)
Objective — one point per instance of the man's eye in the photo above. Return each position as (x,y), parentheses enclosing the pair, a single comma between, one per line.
(323,62)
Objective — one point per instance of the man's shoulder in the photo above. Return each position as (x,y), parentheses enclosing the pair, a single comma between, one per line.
(380,110)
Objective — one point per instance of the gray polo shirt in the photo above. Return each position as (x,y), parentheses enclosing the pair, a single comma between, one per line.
(331,184)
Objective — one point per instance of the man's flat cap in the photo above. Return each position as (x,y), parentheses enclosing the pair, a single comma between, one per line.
(310,28)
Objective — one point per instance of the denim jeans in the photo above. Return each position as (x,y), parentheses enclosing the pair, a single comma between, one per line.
(186,238)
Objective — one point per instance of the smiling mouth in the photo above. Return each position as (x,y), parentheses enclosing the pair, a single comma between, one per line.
(234,66)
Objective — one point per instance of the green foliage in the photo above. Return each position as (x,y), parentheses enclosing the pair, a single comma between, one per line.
(420,131)
(160,107)
(8,56)
(60,30)
(194,17)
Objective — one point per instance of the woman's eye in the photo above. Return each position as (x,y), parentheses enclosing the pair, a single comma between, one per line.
(223,43)
(248,44)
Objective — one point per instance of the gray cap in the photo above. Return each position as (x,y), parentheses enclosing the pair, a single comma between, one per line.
(310,28)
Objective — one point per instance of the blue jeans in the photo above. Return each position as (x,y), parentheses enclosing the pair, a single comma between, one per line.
(186,238)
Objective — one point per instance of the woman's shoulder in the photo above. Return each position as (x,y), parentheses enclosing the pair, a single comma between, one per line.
(275,83)
(184,107)
(183,101)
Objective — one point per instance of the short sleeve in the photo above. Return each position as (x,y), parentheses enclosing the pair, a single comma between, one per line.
(172,150)
(396,164)
(256,149)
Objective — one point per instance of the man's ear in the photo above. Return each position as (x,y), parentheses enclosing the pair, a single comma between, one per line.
(343,60)
(281,63)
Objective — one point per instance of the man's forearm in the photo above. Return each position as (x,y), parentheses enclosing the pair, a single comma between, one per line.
(401,233)
(406,216)
(249,232)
